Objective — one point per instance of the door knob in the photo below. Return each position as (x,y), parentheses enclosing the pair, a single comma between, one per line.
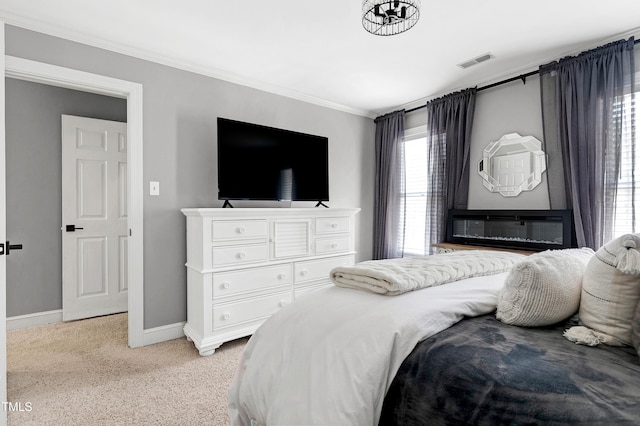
(6,248)
(71,228)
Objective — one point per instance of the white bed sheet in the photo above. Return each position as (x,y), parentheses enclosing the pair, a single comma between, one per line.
(329,358)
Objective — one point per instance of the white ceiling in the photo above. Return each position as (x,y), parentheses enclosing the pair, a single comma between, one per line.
(319,52)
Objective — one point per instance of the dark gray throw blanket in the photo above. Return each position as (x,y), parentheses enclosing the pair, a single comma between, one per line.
(483,372)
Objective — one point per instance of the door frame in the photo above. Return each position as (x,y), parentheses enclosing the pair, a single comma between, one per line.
(53,75)
(3,235)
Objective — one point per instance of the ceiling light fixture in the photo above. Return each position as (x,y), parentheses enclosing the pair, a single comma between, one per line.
(385,18)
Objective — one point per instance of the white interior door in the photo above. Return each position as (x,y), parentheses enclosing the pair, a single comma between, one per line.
(94,217)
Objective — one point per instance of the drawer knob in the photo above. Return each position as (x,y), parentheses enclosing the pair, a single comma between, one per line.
(283,303)
(282,276)
(226,316)
(334,245)
(241,255)
(334,225)
(304,272)
(226,285)
(241,230)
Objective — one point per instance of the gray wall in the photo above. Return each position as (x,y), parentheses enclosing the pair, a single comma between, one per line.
(180,110)
(509,108)
(34,176)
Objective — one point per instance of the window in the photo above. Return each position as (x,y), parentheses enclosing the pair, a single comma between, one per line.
(626,216)
(414,193)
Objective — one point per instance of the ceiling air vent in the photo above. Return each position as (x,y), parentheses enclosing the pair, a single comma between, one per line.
(474,61)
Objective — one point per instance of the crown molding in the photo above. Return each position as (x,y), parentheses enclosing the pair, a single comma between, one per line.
(101,43)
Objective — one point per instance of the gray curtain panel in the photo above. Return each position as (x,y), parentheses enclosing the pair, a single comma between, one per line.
(387,238)
(449,124)
(583,116)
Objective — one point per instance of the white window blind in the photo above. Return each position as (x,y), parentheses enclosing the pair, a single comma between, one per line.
(414,196)
(626,216)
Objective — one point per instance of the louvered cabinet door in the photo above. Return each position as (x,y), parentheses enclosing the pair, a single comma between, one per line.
(291,238)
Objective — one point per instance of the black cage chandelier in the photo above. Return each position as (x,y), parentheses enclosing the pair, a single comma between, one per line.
(385,18)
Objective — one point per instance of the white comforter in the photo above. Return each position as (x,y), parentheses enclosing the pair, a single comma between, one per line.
(329,358)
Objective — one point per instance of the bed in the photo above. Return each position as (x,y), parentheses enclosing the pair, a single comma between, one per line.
(434,353)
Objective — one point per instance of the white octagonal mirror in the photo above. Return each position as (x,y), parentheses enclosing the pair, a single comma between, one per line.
(512,164)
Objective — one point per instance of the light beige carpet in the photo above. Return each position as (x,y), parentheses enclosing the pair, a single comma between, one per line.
(83,373)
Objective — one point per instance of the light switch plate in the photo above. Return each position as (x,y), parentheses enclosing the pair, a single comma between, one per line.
(154,188)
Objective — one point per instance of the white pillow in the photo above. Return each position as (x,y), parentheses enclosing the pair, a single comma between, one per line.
(611,290)
(544,288)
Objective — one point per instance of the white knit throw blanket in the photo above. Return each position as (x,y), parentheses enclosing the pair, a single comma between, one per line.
(396,276)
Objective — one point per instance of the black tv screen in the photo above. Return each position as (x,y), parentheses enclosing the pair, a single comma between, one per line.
(264,163)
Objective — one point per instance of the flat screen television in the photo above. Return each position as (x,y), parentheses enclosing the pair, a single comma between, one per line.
(264,163)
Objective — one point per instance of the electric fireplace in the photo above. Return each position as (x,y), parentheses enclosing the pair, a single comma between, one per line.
(512,229)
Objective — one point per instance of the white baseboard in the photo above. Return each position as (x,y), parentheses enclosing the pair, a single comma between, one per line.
(34,320)
(163,333)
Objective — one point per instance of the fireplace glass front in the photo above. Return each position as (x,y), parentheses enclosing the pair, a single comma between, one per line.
(518,229)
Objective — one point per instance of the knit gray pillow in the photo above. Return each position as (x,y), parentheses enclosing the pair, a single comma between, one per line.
(544,288)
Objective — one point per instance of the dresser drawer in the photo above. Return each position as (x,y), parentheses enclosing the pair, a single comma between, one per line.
(332,245)
(235,255)
(332,225)
(238,229)
(319,269)
(230,314)
(237,282)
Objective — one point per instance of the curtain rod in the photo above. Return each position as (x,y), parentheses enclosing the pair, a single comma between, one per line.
(522,77)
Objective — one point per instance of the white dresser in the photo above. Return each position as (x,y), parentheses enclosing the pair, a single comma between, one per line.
(244,264)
